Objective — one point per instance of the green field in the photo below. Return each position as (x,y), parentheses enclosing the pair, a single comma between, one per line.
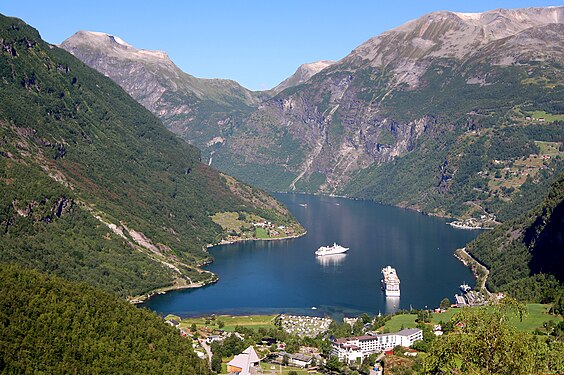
(537,315)
(406,320)
(549,148)
(549,117)
(261,233)
(231,221)
(229,321)
(267,369)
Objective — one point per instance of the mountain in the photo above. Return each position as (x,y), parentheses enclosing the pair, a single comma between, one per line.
(94,188)
(452,114)
(525,256)
(51,325)
(302,74)
(422,116)
(202,111)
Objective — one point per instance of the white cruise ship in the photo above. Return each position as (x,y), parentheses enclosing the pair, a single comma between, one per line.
(330,250)
(390,282)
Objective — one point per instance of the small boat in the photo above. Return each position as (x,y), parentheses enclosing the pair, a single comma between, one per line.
(465,288)
(330,250)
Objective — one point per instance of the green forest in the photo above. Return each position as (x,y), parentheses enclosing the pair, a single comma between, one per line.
(525,256)
(52,326)
(99,202)
(77,152)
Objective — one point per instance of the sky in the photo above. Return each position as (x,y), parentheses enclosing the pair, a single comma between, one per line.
(257,43)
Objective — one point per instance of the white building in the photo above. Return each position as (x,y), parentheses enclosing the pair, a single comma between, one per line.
(242,363)
(353,348)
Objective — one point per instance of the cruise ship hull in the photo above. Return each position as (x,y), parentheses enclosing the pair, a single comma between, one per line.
(390,282)
(331,250)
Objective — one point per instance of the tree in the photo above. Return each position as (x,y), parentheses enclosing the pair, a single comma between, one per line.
(358,327)
(292,346)
(216,362)
(365,318)
(485,343)
(220,324)
(423,316)
(445,303)
(334,364)
(292,372)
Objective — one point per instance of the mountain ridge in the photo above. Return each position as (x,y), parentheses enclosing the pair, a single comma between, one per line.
(387,99)
(414,90)
(301,75)
(90,176)
(208,108)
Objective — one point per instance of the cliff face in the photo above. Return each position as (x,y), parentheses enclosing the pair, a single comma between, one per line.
(93,187)
(525,256)
(412,117)
(202,111)
(409,117)
(302,74)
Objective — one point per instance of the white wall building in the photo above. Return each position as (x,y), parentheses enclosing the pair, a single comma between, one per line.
(352,348)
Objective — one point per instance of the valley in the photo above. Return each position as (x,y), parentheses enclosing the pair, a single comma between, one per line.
(136,199)
(125,181)
(426,126)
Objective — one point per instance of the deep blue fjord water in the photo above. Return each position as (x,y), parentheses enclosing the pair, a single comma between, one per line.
(285,276)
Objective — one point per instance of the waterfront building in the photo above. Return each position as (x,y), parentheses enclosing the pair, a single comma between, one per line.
(350,349)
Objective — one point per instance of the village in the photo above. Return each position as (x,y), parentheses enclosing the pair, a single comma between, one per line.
(269,355)
(300,344)
(240,226)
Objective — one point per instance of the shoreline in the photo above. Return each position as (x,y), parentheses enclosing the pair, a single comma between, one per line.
(230,242)
(142,298)
(479,271)
(458,225)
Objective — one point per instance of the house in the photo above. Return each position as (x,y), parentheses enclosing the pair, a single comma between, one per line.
(437,330)
(213,338)
(172,322)
(460,302)
(351,349)
(299,360)
(242,363)
(295,359)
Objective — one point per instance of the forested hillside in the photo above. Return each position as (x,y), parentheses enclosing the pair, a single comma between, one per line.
(525,256)
(53,326)
(453,114)
(93,187)
(201,111)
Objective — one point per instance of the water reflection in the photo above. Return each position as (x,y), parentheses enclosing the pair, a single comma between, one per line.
(392,304)
(331,260)
(286,276)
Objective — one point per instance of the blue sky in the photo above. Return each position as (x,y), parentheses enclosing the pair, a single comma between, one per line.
(257,43)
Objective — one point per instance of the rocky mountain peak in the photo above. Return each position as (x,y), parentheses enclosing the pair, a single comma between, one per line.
(114,46)
(302,74)
(452,34)
(409,48)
